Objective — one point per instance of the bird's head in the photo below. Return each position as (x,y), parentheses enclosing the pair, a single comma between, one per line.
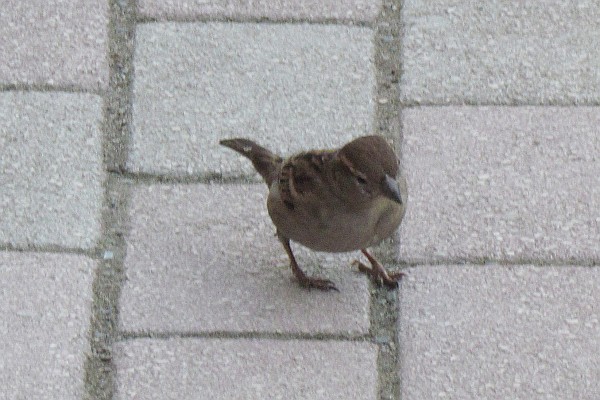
(371,168)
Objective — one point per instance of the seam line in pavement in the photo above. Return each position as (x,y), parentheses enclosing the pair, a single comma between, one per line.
(507,262)
(384,303)
(152,179)
(26,87)
(100,371)
(504,103)
(541,263)
(47,249)
(245,335)
(255,20)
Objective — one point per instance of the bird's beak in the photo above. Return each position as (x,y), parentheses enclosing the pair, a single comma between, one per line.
(391,189)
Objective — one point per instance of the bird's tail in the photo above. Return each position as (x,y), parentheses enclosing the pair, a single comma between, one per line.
(265,162)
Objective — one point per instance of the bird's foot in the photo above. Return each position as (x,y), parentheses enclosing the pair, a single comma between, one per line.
(303,279)
(378,273)
(317,283)
(388,279)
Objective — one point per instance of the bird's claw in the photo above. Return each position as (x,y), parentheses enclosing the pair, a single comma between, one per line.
(318,283)
(380,275)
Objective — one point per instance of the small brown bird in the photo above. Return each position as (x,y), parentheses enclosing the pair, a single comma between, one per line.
(333,200)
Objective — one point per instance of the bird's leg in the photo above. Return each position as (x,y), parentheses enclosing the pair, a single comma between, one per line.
(306,281)
(378,273)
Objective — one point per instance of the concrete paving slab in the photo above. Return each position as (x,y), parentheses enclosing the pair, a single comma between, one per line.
(279,10)
(51,169)
(501,332)
(292,87)
(45,306)
(245,369)
(501,52)
(510,183)
(203,258)
(56,42)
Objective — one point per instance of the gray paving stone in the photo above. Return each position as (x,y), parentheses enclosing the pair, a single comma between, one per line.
(351,10)
(245,369)
(50,169)
(203,258)
(501,52)
(500,332)
(293,86)
(56,42)
(45,306)
(508,183)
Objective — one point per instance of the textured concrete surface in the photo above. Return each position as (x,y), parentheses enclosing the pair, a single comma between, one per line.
(193,295)
(501,52)
(57,43)
(502,183)
(346,10)
(194,264)
(293,86)
(50,169)
(44,312)
(245,369)
(518,332)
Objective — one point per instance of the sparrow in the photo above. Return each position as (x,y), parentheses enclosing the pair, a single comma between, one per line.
(336,200)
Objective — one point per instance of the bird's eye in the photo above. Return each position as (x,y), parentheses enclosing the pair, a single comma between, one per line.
(361,180)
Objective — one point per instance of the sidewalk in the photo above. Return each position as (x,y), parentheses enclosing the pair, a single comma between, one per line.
(137,259)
